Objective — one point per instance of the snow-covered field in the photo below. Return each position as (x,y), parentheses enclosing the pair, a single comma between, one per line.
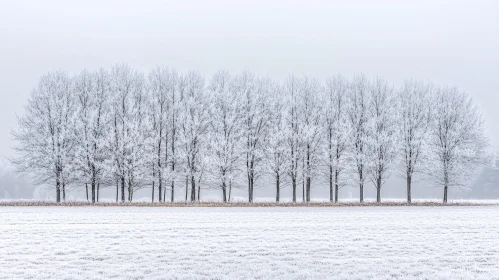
(249,243)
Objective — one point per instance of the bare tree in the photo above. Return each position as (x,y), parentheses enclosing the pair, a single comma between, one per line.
(92,127)
(458,140)
(358,118)
(130,128)
(381,133)
(337,131)
(310,121)
(414,115)
(194,124)
(276,152)
(45,138)
(293,140)
(226,120)
(161,86)
(174,100)
(254,93)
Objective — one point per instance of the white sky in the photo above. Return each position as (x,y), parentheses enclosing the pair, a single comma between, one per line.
(447,42)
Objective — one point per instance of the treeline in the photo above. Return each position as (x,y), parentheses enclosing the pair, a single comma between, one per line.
(168,131)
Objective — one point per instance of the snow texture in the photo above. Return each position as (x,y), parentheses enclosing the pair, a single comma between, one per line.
(249,243)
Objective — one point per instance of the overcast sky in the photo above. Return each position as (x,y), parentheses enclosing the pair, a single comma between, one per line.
(447,42)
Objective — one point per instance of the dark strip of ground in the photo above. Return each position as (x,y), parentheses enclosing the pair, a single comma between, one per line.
(238,204)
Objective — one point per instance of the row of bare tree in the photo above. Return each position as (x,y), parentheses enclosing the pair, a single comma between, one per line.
(120,128)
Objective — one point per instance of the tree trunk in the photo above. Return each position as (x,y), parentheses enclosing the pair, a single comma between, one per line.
(130,191)
(152,192)
(58,194)
(278,188)
(445,194)
(378,190)
(230,188)
(98,191)
(86,188)
(303,190)
(330,183)
(186,186)
(250,189)
(224,192)
(308,173)
(117,190)
(123,189)
(172,198)
(160,188)
(93,191)
(309,181)
(199,190)
(336,186)
(193,189)
(409,179)
(64,192)
(361,185)
(57,191)
(294,189)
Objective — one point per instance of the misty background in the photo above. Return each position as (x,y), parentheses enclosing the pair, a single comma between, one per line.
(452,43)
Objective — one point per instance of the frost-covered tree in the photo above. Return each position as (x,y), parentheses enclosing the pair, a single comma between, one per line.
(254,91)
(92,128)
(276,150)
(337,131)
(161,87)
(293,139)
(173,127)
(129,118)
(381,133)
(225,133)
(358,120)
(45,137)
(458,141)
(193,121)
(414,116)
(310,111)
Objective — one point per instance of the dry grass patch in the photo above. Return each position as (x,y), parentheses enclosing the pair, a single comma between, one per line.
(237,204)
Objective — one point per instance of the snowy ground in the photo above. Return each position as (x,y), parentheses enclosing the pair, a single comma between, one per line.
(249,243)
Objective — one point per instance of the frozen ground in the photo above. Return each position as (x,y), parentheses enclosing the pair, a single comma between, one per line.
(249,243)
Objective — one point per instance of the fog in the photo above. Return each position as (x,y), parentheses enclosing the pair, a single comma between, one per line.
(446,42)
